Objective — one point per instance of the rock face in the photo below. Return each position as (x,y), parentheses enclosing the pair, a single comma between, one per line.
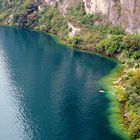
(123,12)
(63,4)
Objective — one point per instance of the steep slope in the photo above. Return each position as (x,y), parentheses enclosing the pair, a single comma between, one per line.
(63,4)
(122,12)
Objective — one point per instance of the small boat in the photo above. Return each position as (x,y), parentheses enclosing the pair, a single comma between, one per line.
(101,91)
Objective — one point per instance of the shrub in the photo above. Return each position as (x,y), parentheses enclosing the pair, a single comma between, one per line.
(134,129)
(110,45)
(76,40)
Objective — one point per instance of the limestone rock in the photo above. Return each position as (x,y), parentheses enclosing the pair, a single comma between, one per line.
(123,12)
(63,4)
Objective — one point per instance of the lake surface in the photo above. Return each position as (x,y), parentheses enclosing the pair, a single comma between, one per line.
(49,91)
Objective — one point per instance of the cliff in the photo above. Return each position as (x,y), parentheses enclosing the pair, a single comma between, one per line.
(63,4)
(122,12)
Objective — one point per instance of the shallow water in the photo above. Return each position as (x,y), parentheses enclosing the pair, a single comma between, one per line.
(49,91)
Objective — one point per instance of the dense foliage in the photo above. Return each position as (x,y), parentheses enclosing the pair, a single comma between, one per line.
(126,47)
(129,97)
(51,20)
(48,19)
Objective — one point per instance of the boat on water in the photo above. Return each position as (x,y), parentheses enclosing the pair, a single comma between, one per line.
(101,91)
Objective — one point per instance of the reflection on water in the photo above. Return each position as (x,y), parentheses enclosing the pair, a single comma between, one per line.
(47,93)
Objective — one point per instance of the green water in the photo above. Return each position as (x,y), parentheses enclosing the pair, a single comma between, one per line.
(49,91)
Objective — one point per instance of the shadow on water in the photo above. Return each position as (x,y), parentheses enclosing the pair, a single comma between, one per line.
(50,92)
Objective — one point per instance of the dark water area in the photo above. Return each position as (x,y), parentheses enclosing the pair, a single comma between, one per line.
(49,91)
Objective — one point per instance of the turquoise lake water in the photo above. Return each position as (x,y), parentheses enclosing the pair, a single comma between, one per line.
(49,91)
